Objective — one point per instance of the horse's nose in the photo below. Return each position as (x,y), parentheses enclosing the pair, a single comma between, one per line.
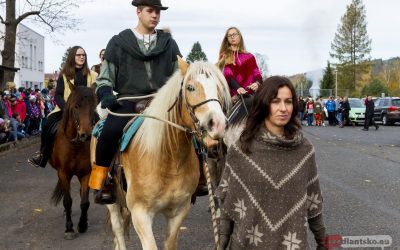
(83,137)
(210,124)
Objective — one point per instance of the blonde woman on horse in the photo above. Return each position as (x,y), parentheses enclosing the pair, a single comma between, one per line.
(77,72)
(239,66)
(138,61)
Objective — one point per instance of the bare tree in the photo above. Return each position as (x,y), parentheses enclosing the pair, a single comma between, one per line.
(52,15)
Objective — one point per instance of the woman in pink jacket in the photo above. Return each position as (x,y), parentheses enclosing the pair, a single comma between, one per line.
(239,66)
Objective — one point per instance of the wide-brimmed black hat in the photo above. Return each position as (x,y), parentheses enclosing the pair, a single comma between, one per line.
(153,3)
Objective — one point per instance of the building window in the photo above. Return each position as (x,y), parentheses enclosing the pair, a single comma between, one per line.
(34,58)
(30,58)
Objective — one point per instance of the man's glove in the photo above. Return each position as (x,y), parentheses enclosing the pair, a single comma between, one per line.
(108,100)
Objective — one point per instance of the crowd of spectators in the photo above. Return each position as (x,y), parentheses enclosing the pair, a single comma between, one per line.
(23,111)
(313,111)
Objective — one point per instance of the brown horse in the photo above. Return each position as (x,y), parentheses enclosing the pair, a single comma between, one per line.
(160,163)
(71,153)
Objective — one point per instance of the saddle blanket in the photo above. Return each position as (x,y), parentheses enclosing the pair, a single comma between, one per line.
(129,132)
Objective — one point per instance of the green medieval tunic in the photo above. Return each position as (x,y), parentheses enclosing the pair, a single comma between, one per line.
(269,196)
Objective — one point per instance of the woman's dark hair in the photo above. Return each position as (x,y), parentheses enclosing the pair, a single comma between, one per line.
(261,107)
(69,66)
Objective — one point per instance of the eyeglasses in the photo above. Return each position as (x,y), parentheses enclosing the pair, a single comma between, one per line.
(80,55)
(233,35)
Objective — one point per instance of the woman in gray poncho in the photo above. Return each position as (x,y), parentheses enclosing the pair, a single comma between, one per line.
(270,191)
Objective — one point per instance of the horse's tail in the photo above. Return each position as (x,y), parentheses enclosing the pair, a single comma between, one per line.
(58,194)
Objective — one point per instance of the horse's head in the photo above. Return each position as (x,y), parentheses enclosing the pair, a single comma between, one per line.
(79,113)
(206,96)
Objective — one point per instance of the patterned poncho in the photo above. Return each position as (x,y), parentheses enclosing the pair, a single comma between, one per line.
(269,195)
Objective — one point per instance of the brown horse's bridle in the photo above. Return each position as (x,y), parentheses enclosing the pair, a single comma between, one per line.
(77,126)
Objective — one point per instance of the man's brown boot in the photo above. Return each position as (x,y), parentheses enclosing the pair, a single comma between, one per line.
(102,184)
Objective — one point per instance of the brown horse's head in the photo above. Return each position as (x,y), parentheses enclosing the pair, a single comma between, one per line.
(79,114)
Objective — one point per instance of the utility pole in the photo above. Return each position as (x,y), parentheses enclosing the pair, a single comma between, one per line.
(336,83)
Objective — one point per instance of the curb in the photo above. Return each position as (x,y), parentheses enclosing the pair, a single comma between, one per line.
(26,142)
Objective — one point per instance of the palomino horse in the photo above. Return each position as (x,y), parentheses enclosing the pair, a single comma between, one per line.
(160,163)
(71,153)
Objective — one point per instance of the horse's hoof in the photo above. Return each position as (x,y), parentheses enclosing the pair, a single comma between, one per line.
(70,235)
(82,228)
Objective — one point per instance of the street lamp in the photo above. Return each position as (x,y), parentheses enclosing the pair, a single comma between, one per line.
(336,83)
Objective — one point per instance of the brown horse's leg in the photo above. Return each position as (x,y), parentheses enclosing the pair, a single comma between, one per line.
(174,221)
(65,182)
(83,224)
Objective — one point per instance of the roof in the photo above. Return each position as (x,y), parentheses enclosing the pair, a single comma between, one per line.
(5,68)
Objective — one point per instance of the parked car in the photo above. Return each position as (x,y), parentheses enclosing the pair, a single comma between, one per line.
(387,110)
(357,112)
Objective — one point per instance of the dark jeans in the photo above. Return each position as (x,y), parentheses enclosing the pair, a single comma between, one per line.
(346,118)
(332,118)
(369,120)
(301,116)
(108,142)
(310,119)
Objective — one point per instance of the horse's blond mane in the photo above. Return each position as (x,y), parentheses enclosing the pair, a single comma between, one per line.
(155,137)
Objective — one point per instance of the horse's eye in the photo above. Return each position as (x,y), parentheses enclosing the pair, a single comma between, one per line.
(190,88)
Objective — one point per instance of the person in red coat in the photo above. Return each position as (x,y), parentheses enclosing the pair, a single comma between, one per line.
(19,107)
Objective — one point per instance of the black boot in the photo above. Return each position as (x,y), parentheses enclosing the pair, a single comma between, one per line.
(38,160)
(106,195)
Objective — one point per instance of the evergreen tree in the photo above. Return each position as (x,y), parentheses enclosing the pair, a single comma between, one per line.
(64,58)
(352,46)
(328,80)
(375,88)
(196,54)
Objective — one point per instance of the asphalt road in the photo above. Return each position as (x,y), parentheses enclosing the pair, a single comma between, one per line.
(359,174)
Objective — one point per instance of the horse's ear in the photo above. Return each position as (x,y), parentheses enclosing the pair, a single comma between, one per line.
(183,65)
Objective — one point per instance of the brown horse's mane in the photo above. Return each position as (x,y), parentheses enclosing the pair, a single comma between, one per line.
(80,95)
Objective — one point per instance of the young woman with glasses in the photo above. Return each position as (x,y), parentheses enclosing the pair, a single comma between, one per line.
(76,71)
(238,65)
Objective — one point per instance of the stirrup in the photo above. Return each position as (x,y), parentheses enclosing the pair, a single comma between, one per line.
(37,160)
(106,195)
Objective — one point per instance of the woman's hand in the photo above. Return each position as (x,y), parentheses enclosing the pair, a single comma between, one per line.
(254,86)
(241,91)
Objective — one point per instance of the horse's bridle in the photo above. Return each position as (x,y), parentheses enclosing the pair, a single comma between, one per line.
(77,126)
(192,108)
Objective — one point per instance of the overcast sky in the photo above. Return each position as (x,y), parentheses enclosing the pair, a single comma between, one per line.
(295,35)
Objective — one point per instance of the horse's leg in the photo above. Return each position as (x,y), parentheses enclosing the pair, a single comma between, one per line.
(117,225)
(174,221)
(142,220)
(83,220)
(67,202)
